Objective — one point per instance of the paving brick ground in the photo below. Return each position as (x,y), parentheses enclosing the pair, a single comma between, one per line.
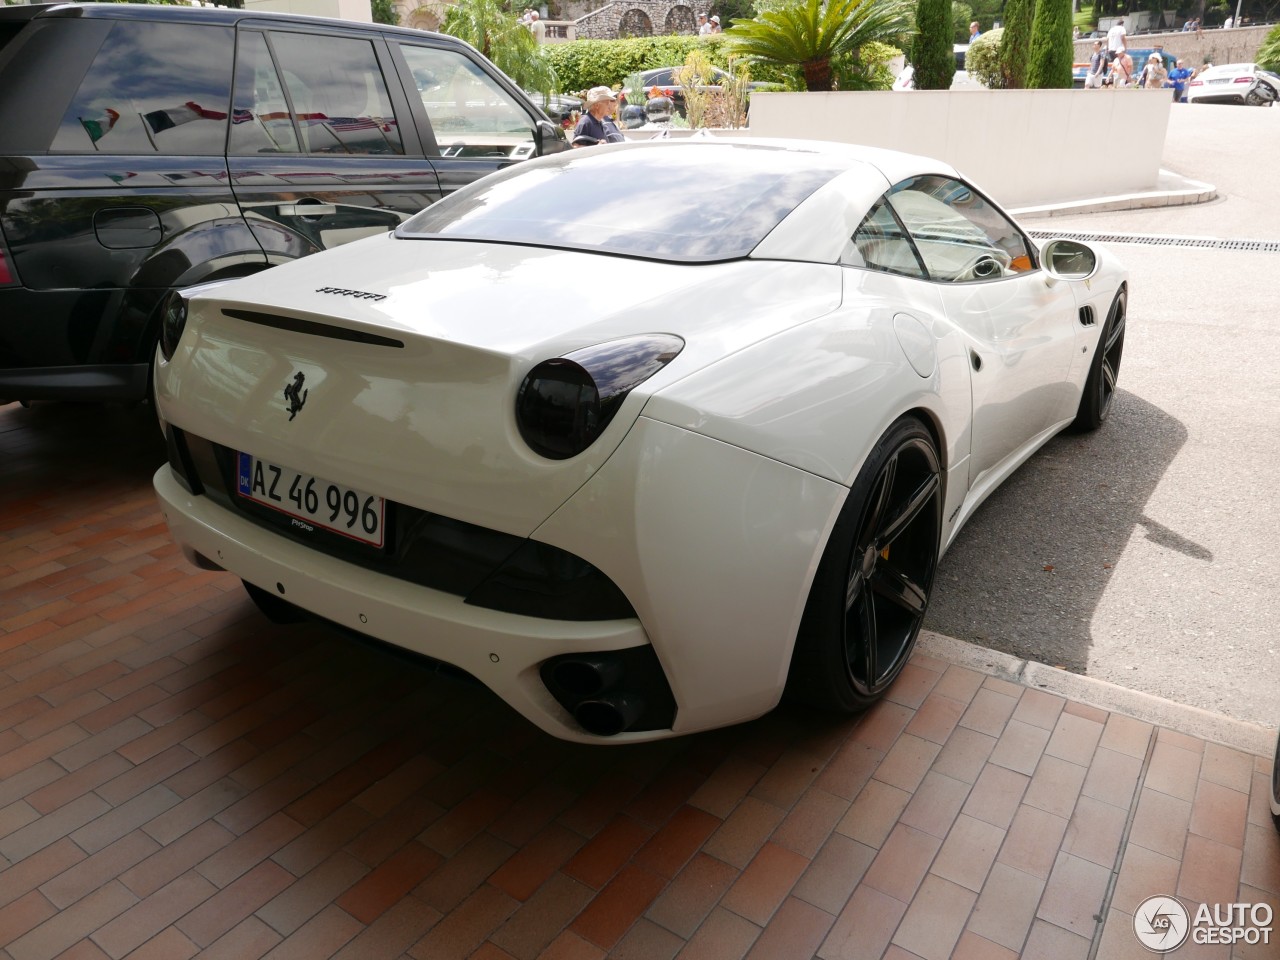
(180,778)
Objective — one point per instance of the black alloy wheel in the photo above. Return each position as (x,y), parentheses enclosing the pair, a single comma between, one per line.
(873,585)
(1104,372)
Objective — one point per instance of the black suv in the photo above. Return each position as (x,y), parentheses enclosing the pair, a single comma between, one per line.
(144,148)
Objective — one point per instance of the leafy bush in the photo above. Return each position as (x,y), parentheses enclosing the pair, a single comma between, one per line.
(588,63)
(583,64)
(983,59)
(1268,56)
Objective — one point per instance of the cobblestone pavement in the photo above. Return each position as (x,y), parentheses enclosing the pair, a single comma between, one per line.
(179,777)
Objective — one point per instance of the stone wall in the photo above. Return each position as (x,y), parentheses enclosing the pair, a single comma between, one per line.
(637,18)
(1216,46)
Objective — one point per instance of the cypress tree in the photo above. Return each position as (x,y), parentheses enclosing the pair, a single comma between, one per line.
(931,50)
(1052,51)
(1015,45)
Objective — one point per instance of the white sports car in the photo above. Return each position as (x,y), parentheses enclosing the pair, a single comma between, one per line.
(640,436)
(1239,83)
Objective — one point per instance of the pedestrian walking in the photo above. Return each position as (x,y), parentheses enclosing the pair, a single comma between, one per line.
(1179,76)
(1121,73)
(1154,76)
(1097,67)
(1116,39)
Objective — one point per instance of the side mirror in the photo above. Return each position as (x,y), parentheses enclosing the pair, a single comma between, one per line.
(1068,260)
(550,138)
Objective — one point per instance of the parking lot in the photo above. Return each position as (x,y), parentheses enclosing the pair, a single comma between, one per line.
(1141,555)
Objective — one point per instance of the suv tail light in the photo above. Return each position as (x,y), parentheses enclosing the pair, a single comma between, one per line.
(8,273)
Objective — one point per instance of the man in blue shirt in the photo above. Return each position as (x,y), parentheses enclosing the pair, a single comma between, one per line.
(1178,77)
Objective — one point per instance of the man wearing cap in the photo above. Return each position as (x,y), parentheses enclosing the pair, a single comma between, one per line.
(596,125)
(704,28)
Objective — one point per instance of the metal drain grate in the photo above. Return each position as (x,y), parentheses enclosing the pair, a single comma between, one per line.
(1208,243)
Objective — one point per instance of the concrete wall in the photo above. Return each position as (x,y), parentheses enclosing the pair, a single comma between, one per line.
(1021,146)
(340,9)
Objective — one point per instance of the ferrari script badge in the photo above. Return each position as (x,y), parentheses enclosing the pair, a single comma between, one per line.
(294,393)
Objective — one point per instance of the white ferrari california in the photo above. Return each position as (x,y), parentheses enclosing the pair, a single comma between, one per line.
(642,436)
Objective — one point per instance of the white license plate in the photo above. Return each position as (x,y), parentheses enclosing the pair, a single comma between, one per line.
(311,502)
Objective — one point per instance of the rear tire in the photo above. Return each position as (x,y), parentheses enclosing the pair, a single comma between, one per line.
(1100,387)
(875,578)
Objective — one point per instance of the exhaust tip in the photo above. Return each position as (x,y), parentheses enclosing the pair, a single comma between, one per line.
(609,715)
(587,676)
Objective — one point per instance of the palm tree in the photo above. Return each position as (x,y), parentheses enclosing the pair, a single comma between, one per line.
(487,26)
(811,33)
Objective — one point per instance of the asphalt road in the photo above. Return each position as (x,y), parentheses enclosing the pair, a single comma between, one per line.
(1145,554)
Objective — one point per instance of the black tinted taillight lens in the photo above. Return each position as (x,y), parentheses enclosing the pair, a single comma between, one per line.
(565,403)
(173,320)
(8,275)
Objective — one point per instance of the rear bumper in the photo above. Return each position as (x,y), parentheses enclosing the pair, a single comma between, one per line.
(502,650)
(1215,97)
(714,546)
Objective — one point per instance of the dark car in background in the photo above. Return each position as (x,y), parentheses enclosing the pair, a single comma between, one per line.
(664,78)
(148,148)
(563,108)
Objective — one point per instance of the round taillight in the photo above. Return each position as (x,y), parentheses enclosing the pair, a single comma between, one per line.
(558,409)
(564,404)
(173,320)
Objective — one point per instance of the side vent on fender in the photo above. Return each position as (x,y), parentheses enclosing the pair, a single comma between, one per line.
(1087,318)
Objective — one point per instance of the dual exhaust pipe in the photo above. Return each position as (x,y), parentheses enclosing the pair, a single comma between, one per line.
(593,681)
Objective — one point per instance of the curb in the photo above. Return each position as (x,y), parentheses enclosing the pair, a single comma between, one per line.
(1240,735)
(1172,190)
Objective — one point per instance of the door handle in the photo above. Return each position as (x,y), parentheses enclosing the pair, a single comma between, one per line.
(304,208)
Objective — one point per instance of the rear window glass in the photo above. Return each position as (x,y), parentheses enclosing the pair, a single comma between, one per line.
(666,201)
(154,88)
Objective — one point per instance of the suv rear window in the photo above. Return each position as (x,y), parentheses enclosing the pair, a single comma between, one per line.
(153,88)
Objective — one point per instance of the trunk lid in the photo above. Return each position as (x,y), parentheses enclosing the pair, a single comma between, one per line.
(410,379)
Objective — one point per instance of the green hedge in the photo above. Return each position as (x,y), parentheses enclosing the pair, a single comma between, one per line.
(583,64)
